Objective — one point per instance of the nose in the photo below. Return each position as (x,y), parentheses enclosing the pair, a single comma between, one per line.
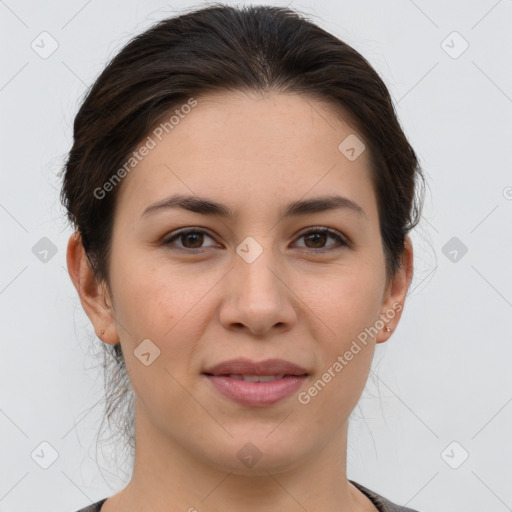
(257,297)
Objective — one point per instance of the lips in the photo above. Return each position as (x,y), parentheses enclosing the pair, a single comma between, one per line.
(256,384)
(256,378)
(239,367)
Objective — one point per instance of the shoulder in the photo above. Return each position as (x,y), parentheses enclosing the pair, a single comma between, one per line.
(95,507)
(382,504)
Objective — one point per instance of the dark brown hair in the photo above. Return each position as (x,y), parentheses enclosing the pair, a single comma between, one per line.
(225,48)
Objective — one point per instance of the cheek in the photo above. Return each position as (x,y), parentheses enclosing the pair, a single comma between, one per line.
(145,307)
(348,300)
(145,299)
(159,306)
(161,302)
(348,304)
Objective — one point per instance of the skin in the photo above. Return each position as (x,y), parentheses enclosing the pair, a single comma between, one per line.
(254,153)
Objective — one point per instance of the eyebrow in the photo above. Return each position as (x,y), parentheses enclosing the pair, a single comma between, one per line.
(208,207)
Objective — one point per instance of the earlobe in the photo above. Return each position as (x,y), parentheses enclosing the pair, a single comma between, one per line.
(93,294)
(396,292)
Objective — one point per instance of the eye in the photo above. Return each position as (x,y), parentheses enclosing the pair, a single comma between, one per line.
(318,236)
(192,239)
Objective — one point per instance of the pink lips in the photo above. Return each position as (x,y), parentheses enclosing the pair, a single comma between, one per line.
(225,377)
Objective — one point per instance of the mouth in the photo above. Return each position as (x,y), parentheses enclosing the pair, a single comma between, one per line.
(256,384)
(255,378)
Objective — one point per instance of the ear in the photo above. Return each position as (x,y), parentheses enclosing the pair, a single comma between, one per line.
(395,293)
(94,296)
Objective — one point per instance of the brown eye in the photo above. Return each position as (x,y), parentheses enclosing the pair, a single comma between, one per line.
(191,239)
(195,239)
(315,239)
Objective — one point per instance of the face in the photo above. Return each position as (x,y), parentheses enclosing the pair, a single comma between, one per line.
(264,283)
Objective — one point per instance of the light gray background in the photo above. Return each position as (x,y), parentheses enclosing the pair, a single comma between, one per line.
(445,373)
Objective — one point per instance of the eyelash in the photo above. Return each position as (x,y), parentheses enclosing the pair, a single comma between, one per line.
(323,230)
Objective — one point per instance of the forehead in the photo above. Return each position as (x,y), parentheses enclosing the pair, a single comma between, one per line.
(240,146)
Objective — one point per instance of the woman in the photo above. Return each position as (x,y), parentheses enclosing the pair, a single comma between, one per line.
(242,193)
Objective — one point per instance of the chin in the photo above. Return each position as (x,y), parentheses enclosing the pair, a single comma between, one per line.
(256,453)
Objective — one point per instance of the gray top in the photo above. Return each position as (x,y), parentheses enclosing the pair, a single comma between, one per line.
(382,504)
